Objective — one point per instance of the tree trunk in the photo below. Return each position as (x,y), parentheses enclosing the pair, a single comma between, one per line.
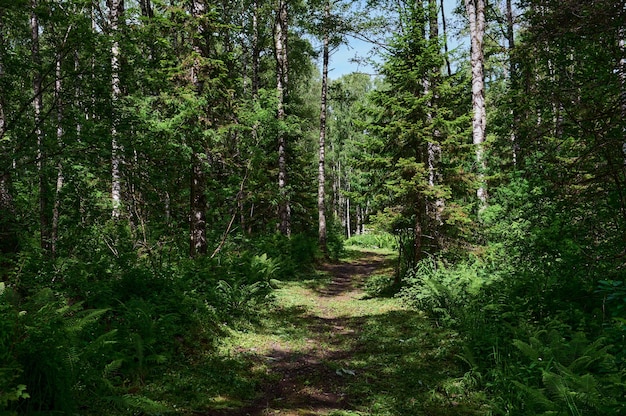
(6,198)
(146,8)
(60,178)
(115,11)
(476,14)
(513,78)
(198,200)
(256,53)
(347,214)
(280,41)
(321,197)
(435,204)
(622,76)
(44,222)
(7,234)
(445,39)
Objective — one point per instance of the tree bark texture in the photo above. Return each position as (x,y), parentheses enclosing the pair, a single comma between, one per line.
(56,209)
(198,200)
(445,39)
(513,78)
(433,79)
(321,179)
(44,223)
(6,199)
(621,35)
(115,12)
(282,69)
(476,15)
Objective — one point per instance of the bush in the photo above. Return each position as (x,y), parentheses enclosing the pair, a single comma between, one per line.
(380,285)
(445,294)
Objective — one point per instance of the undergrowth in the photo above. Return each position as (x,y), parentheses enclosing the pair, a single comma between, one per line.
(113,332)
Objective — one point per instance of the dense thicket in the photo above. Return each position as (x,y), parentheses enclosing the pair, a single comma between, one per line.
(139,186)
(537,287)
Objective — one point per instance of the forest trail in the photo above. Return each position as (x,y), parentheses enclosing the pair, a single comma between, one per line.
(305,358)
(329,349)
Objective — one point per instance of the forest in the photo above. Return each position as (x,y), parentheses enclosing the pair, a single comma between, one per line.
(197,217)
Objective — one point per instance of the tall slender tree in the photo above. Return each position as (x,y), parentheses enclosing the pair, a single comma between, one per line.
(475,10)
(115,11)
(321,179)
(282,84)
(198,200)
(37,80)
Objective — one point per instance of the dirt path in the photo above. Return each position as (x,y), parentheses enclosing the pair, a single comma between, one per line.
(307,369)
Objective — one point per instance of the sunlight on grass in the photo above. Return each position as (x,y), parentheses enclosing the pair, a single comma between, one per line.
(386,359)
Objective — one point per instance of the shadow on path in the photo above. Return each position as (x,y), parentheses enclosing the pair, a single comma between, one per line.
(377,361)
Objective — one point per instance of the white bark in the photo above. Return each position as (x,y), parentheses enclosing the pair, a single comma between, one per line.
(60,178)
(434,148)
(37,112)
(476,15)
(280,43)
(510,34)
(116,180)
(622,77)
(6,200)
(321,195)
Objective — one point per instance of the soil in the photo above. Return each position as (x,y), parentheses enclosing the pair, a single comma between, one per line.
(303,383)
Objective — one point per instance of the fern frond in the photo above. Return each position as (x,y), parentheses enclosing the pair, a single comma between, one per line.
(144,405)
(112,367)
(535,396)
(527,349)
(85,318)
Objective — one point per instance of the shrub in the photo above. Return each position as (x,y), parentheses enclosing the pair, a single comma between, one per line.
(444,293)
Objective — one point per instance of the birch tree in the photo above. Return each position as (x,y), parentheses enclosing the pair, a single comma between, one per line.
(282,70)
(321,194)
(115,11)
(44,223)
(475,10)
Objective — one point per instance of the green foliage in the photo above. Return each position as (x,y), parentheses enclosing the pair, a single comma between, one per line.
(379,285)
(10,390)
(615,295)
(444,293)
(374,240)
(568,376)
(249,288)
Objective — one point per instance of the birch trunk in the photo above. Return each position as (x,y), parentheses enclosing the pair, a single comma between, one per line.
(476,15)
(622,78)
(256,53)
(60,178)
(513,78)
(321,196)
(44,223)
(434,148)
(8,240)
(6,199)
(280,42)
(116,180)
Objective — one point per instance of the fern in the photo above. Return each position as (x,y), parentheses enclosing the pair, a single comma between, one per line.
(569,373)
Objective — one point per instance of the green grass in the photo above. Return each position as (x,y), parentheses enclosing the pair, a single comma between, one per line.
(385,359)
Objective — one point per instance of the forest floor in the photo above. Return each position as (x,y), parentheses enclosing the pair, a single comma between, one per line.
(329,349)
